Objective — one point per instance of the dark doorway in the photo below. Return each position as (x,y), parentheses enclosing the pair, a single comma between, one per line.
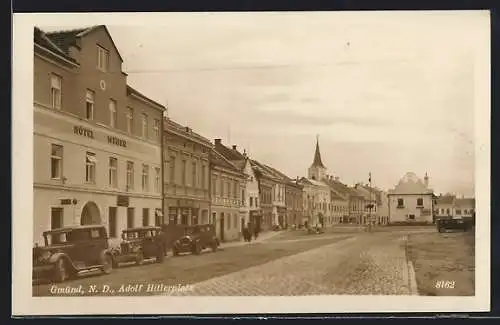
(90,214)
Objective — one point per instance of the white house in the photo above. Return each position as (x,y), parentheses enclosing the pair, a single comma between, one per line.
(411,200)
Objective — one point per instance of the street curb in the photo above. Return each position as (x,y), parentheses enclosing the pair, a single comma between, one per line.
(412,281)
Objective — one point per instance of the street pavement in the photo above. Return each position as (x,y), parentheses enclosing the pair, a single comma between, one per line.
(366,264)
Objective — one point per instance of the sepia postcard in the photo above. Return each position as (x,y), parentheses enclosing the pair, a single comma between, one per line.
(251,162)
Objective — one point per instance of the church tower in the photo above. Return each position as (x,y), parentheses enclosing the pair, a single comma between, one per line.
(317,171)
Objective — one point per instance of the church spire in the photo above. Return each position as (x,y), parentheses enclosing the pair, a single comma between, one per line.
(317,156)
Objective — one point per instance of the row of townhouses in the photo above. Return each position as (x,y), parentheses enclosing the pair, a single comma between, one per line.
(106,154)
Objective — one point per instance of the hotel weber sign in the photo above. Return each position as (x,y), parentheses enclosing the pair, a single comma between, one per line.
(89,133)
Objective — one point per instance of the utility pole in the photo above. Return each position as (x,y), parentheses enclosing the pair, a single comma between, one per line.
(370,204)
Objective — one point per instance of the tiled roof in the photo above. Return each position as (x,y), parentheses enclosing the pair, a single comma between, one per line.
(41,38)
(172,125)
(229,153)
(65,39)
(335,196)
(131,90)
(263,171)
(445,199)
(218,160)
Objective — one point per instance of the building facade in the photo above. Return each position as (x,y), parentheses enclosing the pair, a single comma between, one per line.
(411,200)
(97,141)
(186,175)
(316,202)
(266,189)
(444,206)
(227,194)
(293,200)
(250,193)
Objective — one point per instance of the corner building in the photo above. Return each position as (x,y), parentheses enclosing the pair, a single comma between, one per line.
(97,141)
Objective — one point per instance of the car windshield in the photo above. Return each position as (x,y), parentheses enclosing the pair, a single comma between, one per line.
(131,235)
(57,238)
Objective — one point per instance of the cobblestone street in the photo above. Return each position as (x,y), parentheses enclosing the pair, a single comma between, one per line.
(367,264)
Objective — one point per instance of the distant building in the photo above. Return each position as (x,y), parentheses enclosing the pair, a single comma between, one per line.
(444,206)
(465,207)
(316,200)
(411,200)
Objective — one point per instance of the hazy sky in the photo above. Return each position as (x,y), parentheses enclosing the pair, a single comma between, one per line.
(386,92)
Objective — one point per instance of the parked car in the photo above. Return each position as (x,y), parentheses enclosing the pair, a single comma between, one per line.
(453,224)
(139,244)
(195,239)
(71,250)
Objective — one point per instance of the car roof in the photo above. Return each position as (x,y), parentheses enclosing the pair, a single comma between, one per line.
(67,229)
(141,228)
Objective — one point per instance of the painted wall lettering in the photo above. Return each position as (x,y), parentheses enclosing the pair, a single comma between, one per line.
(116,141)
(80,130)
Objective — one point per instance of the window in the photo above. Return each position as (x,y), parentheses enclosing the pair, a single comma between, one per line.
(130,120)
(221,187)
(130,175)
(459,212)
(113,176)
(112,222)
(411,216)
(89,105)
(184,172)
(251,201)
(56,156)
(55,91)
(102,58)
(112,113)
(193,175)
(130,217)
(157,180)
(448,211)
(420,201)
(229,221)
(235,189)
(256,202)
(156,128)
(56,218)
(203,176)
(172,169)
(235,221)
(145,217)
(400,202)
(90,162)
(243,200)
(144,126)
(214,185)
(158,217)
(145,177)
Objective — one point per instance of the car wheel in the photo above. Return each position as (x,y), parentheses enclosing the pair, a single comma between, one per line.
(139,258)
(107,264)
(214,246)
(61,272)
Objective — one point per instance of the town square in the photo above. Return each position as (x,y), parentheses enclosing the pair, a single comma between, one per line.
(255,166)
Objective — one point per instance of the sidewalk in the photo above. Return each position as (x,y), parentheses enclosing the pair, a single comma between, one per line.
(262,237)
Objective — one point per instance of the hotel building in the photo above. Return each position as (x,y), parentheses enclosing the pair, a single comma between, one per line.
(97,141)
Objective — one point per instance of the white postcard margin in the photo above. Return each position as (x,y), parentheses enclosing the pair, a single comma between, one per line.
(22,200)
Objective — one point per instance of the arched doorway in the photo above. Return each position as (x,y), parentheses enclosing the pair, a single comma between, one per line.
(90,214)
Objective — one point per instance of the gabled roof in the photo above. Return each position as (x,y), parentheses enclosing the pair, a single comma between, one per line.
(65,39)
(261,170)
(41,39)
(410,184)
(342,189)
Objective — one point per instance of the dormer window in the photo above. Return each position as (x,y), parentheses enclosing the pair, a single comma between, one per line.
(102,58)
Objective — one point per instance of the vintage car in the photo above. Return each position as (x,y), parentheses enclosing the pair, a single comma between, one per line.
(195,239)
(453,224)
(139,244)
(71,250)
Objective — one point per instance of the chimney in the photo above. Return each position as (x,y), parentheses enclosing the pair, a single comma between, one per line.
(187,128)
(217,141)
(426,180)
(234,147)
